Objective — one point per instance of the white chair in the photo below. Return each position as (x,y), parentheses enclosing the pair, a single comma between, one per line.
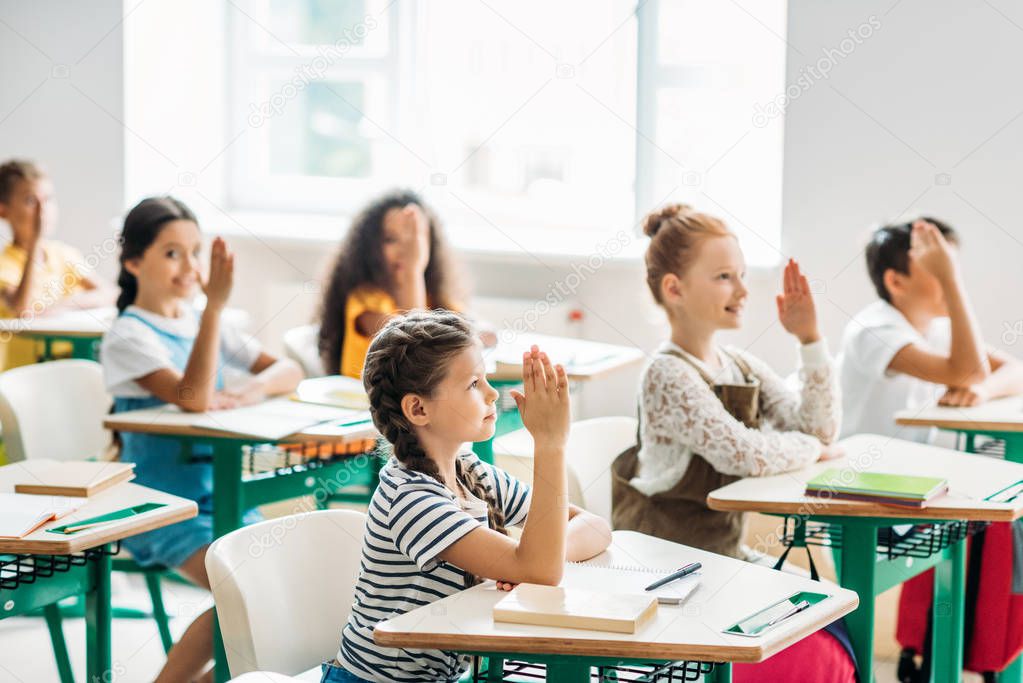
(592,446)
(301,344)
(54,410)
(283,589)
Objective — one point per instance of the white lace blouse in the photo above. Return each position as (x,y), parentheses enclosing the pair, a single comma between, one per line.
(680,415)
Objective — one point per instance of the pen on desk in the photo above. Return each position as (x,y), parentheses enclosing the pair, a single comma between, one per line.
(684,571)
(796,609)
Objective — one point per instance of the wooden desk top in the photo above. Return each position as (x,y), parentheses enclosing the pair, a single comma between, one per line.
(730,590)
(82,323)
(971,479)
(117,497)
(584,360)
(87,322)
(1001,415)
(170,420)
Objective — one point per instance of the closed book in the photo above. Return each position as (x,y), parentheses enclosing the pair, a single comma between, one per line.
(77,478)
(903,489)
(539,605)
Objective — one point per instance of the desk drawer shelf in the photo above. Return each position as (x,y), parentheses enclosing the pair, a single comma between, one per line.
(17,570)
(525,672)
(922,541)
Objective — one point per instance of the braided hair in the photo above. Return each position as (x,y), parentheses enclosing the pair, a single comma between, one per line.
(411,355)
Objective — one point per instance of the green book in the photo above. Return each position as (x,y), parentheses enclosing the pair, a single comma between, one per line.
(896,488)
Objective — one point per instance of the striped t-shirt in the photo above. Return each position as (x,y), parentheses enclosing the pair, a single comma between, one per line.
(412,518)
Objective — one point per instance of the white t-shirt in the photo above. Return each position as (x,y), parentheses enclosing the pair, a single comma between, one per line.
(132,349)
(871,393)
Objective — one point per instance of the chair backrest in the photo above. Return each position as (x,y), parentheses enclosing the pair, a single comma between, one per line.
(301,344)
(592,447)
(284,588)
(54,410)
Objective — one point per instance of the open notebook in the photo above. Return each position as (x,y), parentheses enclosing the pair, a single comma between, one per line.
(272,420)
(625,579)
(23,513)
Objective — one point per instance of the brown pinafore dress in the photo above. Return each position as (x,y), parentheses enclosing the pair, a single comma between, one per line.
(680,514)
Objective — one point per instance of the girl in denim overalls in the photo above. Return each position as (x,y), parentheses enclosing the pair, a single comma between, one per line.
(160,351)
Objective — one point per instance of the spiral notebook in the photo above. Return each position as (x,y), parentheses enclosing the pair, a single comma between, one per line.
(627,579)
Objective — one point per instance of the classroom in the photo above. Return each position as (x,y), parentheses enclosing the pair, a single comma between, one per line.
(472,341)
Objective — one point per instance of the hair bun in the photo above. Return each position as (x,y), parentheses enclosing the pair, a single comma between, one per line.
(655,219)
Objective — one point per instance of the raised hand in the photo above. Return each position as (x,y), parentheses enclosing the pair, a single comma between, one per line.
(217,287)
(545,406)
(415,239)
(796,309)
(929,250)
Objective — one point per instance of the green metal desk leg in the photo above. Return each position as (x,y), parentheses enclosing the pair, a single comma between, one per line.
(1012,673)
(495,669)
(228,506)
(1013,446)
(55,624)
(859,557)
(949,611)
(227,486)
(99,659)
(484,450)
(568,670)
(722,673)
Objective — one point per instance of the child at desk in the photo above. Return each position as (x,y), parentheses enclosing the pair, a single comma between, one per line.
(159,351)
(710,414)
(437,520)
(919,342)
(39,275)
(394,258)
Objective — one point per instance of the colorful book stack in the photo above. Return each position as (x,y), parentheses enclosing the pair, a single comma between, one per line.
(875,487)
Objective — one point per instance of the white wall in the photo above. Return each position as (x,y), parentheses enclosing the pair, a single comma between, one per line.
(62,103)
(929,93)
(925,94)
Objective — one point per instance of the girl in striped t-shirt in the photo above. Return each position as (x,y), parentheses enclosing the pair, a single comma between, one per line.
(436,523)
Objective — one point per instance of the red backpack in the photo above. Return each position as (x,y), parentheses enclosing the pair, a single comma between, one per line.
(993,641)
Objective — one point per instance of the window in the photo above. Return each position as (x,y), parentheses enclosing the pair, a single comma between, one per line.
(530,124)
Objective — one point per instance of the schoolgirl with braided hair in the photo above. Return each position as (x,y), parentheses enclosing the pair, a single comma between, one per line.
(436,523)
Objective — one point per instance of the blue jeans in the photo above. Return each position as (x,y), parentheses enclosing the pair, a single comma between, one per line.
(334,673)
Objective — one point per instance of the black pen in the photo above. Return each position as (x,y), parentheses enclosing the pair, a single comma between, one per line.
(685,571)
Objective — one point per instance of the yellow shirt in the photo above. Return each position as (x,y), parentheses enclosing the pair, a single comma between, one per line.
(355,346)
(57,277)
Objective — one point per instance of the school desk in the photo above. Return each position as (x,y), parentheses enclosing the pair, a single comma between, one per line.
(236,487)
(870,563)
(584,361)
(689,637)
(41,569)
(1001,420)
(81,329)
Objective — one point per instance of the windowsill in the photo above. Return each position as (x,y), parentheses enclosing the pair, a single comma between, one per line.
(317,231)
(564,248)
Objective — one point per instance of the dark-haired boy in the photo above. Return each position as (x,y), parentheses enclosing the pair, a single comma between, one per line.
(920,342)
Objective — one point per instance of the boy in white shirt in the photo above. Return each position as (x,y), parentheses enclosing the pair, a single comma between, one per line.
(920,342)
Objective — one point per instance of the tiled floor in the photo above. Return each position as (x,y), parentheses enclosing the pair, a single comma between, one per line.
(27,657)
